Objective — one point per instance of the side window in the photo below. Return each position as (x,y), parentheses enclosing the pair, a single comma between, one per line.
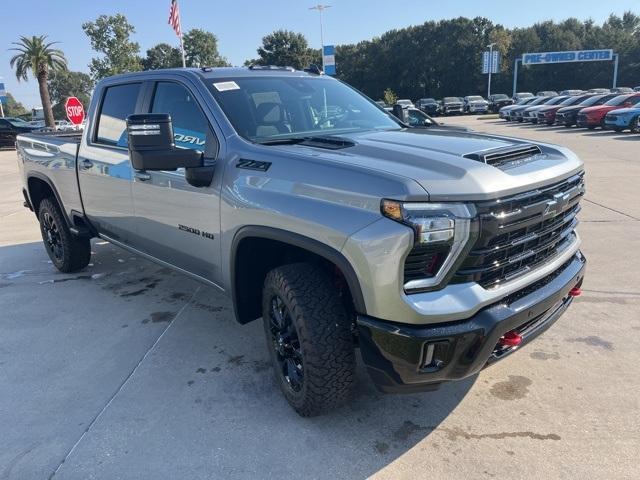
(117,104)
(190,126)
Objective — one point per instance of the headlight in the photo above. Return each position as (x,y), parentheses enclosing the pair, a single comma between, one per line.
(441,232)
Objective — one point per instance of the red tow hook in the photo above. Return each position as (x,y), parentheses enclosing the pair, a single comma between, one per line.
(510,339)
(575,292)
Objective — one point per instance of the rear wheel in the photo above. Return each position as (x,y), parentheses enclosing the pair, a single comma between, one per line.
(309,338)
(67,252)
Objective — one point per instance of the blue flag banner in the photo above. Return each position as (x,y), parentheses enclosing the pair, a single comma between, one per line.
(329,59)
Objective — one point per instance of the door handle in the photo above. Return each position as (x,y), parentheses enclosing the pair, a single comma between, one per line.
(86,164)
(142,176)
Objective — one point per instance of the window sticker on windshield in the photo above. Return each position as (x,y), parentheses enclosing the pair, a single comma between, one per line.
(224,86)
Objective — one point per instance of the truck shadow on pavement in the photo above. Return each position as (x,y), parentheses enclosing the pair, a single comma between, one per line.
(150,368)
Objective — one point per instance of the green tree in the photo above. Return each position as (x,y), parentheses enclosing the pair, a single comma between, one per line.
(285,48)
(13,108)
(389,97)
(162,55)
(66,84)
(36,56)
(201,49)
(110,35)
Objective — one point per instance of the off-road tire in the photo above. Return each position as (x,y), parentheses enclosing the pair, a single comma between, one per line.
(70,253)
(324,337)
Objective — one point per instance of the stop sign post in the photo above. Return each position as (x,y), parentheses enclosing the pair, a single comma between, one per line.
(75,110)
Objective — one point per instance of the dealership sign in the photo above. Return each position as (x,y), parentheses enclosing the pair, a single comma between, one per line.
(569,56)
(3,94)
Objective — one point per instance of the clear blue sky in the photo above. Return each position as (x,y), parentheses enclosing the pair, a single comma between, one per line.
(241,24)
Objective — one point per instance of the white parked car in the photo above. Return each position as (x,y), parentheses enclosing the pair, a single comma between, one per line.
(405,103)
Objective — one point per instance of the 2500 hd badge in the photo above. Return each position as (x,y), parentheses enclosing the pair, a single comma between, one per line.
(196,231)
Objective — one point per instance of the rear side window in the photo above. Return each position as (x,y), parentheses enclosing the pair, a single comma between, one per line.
(117,104)
(190,126)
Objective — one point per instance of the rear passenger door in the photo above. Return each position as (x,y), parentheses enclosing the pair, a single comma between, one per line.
(104,169)
(176,222)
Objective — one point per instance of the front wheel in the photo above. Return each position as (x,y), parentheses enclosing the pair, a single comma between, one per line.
(67,252)
(309,338)
(635,125)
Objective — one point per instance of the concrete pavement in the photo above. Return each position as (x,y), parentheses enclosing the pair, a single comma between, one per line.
(128,370)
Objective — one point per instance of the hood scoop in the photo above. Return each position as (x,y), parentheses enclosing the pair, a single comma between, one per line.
(505,157)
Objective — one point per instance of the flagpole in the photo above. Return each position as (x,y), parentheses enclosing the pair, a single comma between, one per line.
(184,62)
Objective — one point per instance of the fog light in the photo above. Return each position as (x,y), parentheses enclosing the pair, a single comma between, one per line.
(434,355)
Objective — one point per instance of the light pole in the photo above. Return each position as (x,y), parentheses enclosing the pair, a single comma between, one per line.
(490,46)
(321,8)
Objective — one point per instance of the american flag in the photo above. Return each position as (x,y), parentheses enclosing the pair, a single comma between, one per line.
(174,17)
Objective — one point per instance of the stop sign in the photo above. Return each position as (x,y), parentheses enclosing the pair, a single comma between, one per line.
(75,110)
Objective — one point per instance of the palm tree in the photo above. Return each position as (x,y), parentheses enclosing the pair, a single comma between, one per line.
(37,56)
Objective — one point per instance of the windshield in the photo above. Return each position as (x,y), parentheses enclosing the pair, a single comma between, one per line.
(619,100)
(450,99)
(262,108)
(428,100)
(500,96)
(572,100)
(475,98)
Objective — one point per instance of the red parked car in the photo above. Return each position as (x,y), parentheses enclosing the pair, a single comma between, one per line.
(592,117)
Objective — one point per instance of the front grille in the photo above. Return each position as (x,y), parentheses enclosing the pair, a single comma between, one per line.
(611,118)
(520,233)
(582,118)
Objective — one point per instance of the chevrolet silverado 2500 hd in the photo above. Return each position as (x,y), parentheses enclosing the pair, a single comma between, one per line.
(436,252)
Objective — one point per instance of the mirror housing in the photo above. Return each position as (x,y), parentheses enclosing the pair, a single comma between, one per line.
(400,113)
(151,144)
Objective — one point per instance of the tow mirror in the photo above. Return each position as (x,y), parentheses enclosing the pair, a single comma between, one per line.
(152,147)
(400,113)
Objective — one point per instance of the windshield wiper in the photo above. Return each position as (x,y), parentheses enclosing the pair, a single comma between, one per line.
(322,141)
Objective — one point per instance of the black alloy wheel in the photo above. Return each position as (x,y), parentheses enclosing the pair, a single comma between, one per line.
(286,344)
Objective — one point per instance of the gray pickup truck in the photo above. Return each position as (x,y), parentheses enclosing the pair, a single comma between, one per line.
(435,252)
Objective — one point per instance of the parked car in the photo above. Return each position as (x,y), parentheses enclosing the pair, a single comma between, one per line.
(497,101)
(593,117)
(522,95)
(428,106)
(571,92)
(381,248)
(505,112)
(64,126)
(549,93)
(622,90)
(531,114)
(636,89)
(624,119)
(475,104)
(547,113)
(599,90)
(517,113)
(405,103)
(10,127)
(567,116)
(451,105)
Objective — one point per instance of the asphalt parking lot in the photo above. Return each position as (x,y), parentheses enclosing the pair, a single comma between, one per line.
(128,370)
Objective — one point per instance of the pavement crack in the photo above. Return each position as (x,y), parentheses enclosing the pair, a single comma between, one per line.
(123,384)
(612,209)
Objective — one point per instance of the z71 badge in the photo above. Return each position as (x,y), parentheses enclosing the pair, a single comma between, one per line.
(196,231)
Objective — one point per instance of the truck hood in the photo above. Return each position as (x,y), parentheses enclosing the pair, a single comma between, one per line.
(436,160)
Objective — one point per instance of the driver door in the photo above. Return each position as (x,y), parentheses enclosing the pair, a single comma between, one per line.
(176,222)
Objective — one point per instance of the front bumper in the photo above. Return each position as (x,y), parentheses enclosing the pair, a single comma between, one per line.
(583,121)
(618,122)
(394,353)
